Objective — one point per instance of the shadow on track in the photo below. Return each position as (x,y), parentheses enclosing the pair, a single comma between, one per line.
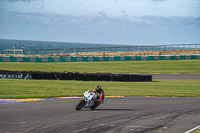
(114,110)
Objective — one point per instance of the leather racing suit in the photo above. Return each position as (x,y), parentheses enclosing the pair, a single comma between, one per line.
(100,96)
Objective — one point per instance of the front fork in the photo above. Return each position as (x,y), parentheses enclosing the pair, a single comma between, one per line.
(89,104)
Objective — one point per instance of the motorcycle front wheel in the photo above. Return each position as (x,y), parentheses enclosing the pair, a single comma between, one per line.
(80,104)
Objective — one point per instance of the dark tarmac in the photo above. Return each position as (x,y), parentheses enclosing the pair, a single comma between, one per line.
(116,115)
(175,76)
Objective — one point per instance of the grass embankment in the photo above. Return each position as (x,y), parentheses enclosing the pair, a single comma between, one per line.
(197,131)
(13,88)
(154,66)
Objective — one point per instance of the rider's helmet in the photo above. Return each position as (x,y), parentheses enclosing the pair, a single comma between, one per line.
(98,88)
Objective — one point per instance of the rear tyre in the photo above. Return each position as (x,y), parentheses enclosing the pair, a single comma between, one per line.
(80,104)
(94,107)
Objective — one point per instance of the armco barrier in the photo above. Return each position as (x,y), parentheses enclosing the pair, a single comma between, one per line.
(75,76)
(97,58)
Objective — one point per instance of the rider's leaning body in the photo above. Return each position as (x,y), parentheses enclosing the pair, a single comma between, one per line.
(100,94)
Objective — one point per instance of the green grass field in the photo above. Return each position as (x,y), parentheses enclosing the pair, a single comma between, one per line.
(150,66)
(20,88)
(197,131)
(14,88)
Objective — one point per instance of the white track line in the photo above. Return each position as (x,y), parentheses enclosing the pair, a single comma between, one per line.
(192,129)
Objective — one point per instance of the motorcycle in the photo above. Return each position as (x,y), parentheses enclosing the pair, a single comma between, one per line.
(87,101)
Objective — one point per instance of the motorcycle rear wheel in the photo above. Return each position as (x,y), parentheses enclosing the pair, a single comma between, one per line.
(80,104)
(94,107)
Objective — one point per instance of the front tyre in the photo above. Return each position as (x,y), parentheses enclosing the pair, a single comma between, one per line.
(80,104)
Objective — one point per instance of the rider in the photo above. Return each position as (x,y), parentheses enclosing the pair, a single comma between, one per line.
(100,95)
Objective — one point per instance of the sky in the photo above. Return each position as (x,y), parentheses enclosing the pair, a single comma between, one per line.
(124,22)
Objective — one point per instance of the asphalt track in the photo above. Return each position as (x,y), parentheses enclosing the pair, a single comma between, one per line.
(175,76)
(116,115)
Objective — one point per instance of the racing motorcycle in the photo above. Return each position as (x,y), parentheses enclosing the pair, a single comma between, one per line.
(87,101)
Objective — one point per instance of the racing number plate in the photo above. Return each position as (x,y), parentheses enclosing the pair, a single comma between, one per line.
(87,95)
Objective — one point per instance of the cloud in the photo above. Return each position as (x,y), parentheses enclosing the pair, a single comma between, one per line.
(171,21)
(148,29)
(103,14)
(57,19)
(127,21)
(123,11)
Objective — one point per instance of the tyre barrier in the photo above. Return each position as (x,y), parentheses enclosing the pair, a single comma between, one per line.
(124,77)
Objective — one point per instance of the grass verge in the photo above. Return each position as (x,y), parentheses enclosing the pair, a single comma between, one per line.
(197,131)
(150,66)
(20,88)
